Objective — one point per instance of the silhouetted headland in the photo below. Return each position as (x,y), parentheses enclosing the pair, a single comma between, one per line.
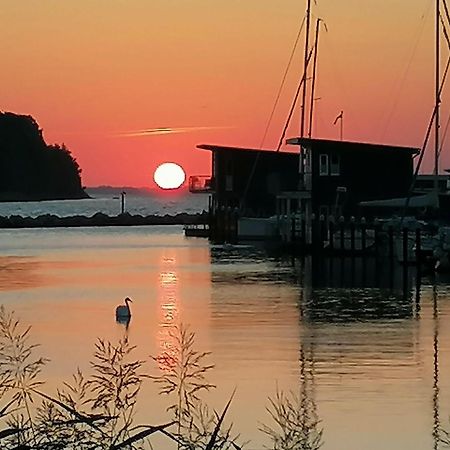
(100,220)
(30,169)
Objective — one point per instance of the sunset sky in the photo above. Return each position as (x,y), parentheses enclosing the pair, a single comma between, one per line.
(94,73)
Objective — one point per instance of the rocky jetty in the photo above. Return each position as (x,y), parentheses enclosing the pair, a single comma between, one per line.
(100,220)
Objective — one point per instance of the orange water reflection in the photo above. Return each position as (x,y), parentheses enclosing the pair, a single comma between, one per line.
(20,273)
(168,311)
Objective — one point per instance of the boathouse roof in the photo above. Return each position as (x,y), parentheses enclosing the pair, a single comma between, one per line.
(216,148)
(350,146)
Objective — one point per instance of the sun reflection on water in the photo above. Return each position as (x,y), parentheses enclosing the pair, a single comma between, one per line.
(168,312)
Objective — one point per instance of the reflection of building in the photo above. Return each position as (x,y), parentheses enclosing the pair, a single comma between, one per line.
(353,289)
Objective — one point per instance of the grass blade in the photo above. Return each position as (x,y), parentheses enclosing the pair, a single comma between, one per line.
(215,433)
(141,435)
(88,420)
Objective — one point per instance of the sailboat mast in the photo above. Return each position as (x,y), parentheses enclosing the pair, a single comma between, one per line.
(305,68)
(438,99)
(311,106)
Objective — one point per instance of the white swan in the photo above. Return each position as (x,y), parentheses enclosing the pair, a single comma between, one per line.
(124,311)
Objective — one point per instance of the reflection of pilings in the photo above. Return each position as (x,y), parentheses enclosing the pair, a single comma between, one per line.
(303,385)
(224,225)
(308,407)
(352,237)
(353,289)
(362,271)
(436,421)
(417,295)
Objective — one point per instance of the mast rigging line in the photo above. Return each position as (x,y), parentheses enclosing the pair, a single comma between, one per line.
(444,30)
(252,172)
(447,15)
(444,2)
(444,135)
(283,81)
(288,120)
(401,80)
(425,143)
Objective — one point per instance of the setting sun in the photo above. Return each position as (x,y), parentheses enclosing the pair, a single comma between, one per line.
(169,176)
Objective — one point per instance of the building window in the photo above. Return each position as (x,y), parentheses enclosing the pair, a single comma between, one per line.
(334,165)
(323,160)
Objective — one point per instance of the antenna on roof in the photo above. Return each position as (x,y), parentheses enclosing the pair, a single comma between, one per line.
(341,130)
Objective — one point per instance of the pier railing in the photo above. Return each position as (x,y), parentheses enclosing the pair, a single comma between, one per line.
(394,239)
(407,241)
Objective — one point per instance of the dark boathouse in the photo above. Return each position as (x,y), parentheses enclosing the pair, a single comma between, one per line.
(264,194)
(335,176)
(250,180)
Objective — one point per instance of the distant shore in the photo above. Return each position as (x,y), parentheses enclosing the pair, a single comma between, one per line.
(100,220)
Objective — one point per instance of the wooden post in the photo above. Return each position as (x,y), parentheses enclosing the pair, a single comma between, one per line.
(303,229)
(418,249)
(405,260)
(293,237)
(235,221)
(331,234)
(221,224)
(363,235)
(210,218)
(314,234)
(405,246)
(342,233)
(352,235)
(391,242)
(228,225)
(122,202)
(321,232)
(376,230)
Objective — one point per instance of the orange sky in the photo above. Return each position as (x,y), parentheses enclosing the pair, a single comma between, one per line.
(90,70)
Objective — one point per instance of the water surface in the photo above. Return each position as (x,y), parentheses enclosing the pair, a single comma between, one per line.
(372,362)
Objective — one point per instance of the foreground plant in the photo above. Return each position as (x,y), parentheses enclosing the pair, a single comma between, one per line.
(98,412)
(19,377)
(184,380)
(444,437)
(95,412)
(296,426)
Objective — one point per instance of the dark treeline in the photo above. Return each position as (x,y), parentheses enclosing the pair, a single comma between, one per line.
(32,170)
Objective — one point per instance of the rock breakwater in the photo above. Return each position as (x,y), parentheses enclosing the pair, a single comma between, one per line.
(100,220)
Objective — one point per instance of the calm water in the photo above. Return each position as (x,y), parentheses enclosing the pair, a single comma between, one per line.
(374,363)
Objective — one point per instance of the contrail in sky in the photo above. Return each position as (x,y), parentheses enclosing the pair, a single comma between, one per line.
(167,130)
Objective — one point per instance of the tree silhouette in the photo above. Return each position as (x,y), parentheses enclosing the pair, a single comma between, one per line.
(29,168)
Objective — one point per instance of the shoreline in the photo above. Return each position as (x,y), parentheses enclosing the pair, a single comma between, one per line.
(101,220)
